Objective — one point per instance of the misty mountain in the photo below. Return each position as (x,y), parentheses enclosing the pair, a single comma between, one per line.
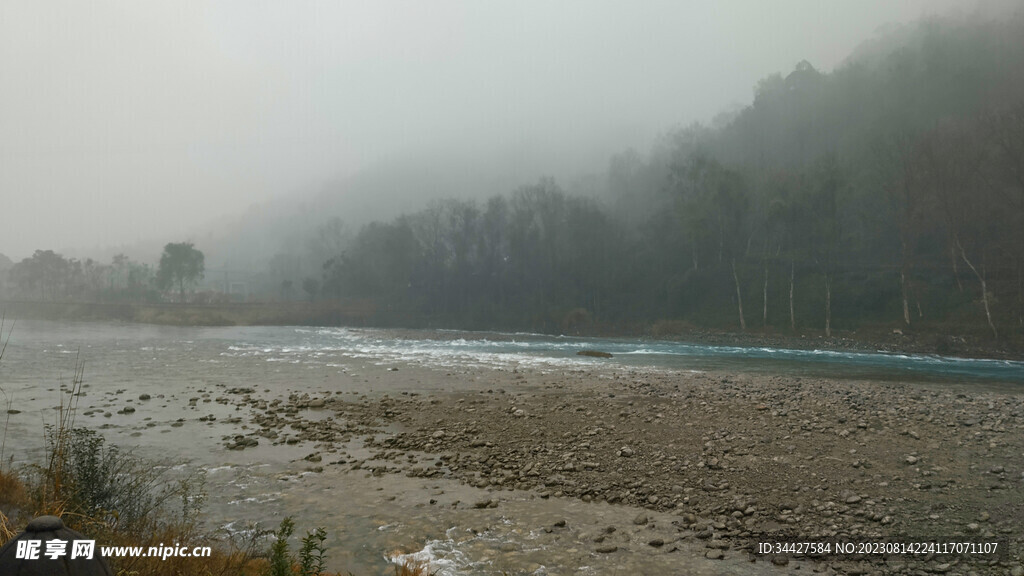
(292,224)
(885,192)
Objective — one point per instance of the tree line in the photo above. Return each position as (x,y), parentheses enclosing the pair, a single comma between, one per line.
(889,192)
(49,276)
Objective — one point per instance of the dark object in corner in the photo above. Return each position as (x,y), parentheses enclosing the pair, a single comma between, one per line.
(44,529)
(594,353)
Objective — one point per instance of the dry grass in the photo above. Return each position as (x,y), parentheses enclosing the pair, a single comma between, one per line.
(14,501)
(228,557)
(6,529)
(13,495)
(15,505)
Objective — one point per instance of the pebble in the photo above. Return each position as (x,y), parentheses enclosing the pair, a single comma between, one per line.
(714,554)
(568,448)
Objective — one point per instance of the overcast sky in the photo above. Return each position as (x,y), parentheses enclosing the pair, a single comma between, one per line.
(137,121)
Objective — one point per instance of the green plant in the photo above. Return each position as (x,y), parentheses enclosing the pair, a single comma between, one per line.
(280,559)
(311,557)
(106,484)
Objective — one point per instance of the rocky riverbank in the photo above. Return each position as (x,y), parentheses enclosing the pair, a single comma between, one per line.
(712,461)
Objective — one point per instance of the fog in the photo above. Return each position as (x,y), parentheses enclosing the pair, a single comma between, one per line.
(131,124)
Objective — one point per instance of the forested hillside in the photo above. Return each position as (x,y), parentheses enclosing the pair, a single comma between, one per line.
(887,193)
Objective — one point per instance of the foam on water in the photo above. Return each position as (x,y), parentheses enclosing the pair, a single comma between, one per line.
(439,557)
(450,349)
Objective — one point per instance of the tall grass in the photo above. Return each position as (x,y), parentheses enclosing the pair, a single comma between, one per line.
(12,493)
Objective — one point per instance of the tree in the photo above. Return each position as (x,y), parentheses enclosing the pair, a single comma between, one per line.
(823,199)
(311,286)
(46,271)
(181,265)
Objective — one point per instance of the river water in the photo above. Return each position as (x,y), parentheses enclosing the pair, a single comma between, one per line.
(186,369)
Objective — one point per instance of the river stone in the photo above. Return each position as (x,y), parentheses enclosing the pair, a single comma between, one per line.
(44,524)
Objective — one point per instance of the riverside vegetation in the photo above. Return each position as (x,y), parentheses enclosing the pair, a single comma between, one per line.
(118,499)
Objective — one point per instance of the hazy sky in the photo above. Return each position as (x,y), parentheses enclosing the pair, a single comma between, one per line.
(129,121)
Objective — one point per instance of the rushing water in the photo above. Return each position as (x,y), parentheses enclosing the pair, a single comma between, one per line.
(186,369)
(136,345)
(504,350)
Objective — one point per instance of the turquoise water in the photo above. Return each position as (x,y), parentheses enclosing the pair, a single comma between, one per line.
(532,349)
(502,350)
(441,349)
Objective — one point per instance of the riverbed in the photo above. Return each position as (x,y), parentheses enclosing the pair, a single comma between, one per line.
(441,444)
